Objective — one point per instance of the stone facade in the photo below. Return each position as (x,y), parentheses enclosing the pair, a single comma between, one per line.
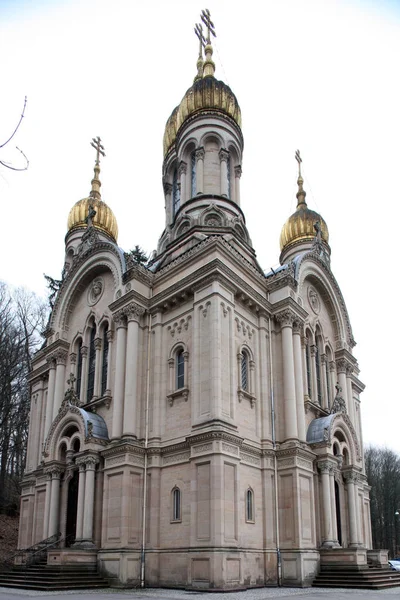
(196,422)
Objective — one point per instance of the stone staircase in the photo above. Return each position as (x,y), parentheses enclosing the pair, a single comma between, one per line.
(372,578)
(41,576)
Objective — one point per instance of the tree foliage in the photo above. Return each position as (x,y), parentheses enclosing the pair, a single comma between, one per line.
(22,318)
(383,472)
(139,255)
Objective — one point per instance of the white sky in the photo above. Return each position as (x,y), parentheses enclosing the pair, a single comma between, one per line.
(322,76)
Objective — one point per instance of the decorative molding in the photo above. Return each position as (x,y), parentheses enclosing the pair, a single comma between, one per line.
(95,291)
(181,392)
(179,325)
(174,458)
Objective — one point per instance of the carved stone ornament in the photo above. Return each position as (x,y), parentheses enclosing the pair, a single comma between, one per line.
(286,318)
(339,403)
(95,291)
(89,239)
(313,300)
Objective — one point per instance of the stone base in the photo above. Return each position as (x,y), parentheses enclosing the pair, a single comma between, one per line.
(299,567)
(72,556)
(353,559)
(378,558)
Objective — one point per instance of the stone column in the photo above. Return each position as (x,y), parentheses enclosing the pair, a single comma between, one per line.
(200,170)
(168,202)
(324,382)
(157,360)
(349,393)
(50,395)
(215,350)
(333,506)
(84,374)
(81,501)
(304,364)
(119,383)
(341,365)
(40,412)
(54,513)
(110,339)
(332,374)
(325,467)
(47,506)
(224,157)
(286,319)
(87,537)
(298,373)
(351,480)
(313,370)
(97,374)
(133,313)
(61,358)
(182,170)
(238,174)
(72,361)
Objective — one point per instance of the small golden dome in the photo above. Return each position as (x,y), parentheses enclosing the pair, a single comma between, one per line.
(207,93)
(300,226)
(104,219)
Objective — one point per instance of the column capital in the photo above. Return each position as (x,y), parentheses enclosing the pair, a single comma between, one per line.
(341,365)
(88,462)
(51,361)
(84,351)
(133,311)
(238,171)
(223,155)
(97,343)
(286,318)
(72,358)
(110,336)
(351,476)
(182,168)
(60,356)
(323,359)
(199,153)
(298,326)
(332,366)
(55,471)
(119,318)
(167,188)
(326,466)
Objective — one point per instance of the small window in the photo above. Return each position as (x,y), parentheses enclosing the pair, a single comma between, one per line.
(92,365)
(79,370)
(193,173)
(308,368)
(250,505)
(176,504)
(244,371)
(318,373)
(180,370)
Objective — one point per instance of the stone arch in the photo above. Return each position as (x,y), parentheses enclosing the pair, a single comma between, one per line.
(95,265)
(312,269)
(212,216)
(335,427)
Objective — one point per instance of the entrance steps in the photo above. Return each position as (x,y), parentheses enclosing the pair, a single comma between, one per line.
(372,578)
(42,576)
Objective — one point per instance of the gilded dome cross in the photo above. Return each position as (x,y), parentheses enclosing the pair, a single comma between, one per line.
(205,17)
(299,160)
(98,147)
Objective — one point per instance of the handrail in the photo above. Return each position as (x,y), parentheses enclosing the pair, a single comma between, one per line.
(42,546)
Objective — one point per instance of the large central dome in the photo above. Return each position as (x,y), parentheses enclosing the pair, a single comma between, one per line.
(205,94)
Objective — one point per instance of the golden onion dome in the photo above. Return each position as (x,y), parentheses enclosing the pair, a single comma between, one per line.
(206,93)
(104,219)
(300,226)
(101,216)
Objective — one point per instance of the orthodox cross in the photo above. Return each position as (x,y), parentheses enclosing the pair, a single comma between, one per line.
(71,381)
(205,17)
(202,40)
(90,216)
(298,158)
(98,147)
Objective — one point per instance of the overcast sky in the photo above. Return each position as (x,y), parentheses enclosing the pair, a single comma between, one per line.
(322,76)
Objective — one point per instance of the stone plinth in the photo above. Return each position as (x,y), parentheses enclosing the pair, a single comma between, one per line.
(343,558)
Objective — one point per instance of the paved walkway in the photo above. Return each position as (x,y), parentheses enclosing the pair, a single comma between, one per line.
(164,594)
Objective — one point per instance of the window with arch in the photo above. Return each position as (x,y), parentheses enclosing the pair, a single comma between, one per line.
(228,177)
(318,372)
(308,366)
(176,498)
(104,364)
(250,506)
(244,371)
(180,369)
(91,364)
(328,383)
(79,369)
(176,193)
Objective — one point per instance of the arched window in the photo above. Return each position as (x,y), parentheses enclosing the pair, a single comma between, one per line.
(250,505)
(228,176)
(193,173)
(91,364)
(180,369)
(244,371)
(104,365)
(328,383)
(176,504)
(79,370)
(318,373)
(308,367)
(176,193)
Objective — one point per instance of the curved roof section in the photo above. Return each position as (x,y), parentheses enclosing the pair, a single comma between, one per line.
(317,429)
(95,425)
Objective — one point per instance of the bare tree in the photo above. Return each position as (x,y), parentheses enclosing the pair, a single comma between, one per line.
(383,472)
(8,164)
(22,318)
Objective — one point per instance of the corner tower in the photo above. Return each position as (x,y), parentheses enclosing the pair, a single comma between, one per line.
(203,148)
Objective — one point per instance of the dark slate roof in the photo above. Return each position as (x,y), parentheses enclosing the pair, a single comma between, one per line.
(99,427)
(317,429)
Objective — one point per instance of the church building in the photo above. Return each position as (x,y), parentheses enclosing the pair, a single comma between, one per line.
(195,421)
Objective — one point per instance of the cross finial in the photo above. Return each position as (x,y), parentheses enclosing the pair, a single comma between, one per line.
(205,17)
(98,147)
(71,381)
(198,29)
(299,160)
